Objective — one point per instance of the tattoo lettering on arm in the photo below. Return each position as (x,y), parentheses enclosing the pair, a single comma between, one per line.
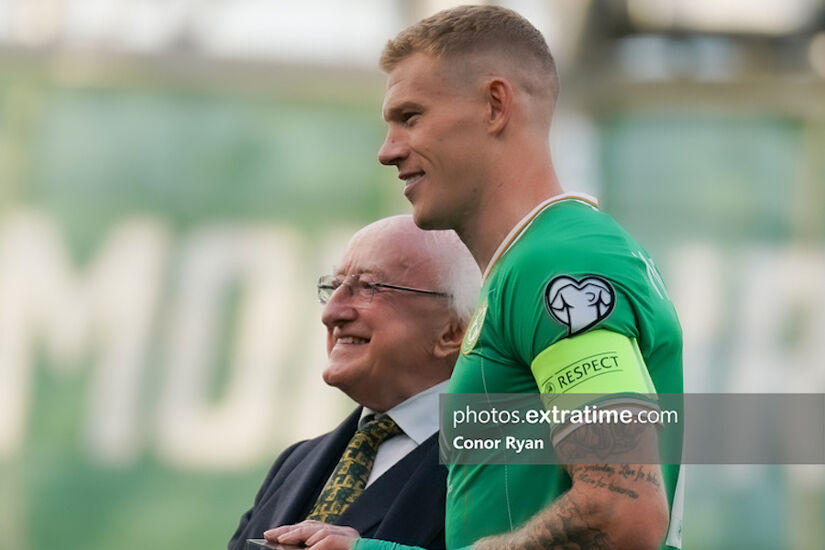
(601,477)
(641,472)
(617,479)
(615,475)
(623,479)
(600,510)
(619,458)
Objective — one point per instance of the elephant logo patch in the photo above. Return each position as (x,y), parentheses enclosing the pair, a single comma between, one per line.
(579,304)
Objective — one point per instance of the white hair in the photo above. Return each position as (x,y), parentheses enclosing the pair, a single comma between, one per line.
(457,272)
(454,268)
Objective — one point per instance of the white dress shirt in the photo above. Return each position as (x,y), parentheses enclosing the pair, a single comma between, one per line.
(418,419)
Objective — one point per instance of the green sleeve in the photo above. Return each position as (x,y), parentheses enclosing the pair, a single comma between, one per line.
(375,544)
(537,288)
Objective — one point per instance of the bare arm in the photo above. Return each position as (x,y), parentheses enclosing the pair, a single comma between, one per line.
(609,506)
(612,506)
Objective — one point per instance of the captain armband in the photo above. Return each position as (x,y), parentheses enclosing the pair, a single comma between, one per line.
(599,366)
(600,361)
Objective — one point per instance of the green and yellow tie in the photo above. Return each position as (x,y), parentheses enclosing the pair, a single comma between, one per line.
(350,476)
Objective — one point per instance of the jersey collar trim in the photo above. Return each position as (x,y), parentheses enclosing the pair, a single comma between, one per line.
(520,227)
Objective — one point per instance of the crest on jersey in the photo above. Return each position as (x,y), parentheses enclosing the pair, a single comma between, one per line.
(474,328)
(579,304)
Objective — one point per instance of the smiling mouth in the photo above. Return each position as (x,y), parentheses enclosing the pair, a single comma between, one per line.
(410,179)
(351,340)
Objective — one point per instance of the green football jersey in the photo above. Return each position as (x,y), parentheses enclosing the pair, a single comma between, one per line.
(565,272)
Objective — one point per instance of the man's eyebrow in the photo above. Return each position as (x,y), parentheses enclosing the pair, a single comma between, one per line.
(394,112)
(375,271)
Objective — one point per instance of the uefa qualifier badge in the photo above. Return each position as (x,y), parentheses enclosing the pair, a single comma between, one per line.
(579,304)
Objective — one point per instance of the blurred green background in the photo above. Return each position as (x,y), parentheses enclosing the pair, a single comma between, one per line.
(174,176)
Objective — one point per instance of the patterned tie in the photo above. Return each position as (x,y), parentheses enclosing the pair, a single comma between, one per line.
(351,474)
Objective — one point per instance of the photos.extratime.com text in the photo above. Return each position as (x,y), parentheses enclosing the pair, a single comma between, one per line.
(555,415)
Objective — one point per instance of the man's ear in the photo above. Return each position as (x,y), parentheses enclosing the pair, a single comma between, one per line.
(449,341)
(499,95)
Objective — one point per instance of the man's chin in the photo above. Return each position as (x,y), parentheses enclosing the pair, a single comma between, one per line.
(337,376)
(428,221)
(331,376)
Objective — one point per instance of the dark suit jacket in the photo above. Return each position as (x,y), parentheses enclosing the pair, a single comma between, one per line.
(404,505)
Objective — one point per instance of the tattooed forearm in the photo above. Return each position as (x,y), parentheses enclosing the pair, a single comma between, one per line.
(610,506)
(564,526)
(580,520)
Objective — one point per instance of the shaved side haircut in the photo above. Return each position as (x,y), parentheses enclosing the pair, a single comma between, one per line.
(468,32)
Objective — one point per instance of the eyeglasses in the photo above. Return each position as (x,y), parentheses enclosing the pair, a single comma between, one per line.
(362,290)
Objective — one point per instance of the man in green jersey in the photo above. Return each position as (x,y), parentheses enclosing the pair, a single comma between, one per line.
(469,101)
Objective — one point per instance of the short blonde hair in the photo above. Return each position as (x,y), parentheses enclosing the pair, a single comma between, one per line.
(469,30)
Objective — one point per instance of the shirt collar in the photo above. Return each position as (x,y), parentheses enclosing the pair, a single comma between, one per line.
(525,222)
(417,416)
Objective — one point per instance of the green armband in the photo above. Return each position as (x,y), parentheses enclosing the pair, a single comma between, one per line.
(596,362)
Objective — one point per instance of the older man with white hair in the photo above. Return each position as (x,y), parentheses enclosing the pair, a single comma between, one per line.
(395,310)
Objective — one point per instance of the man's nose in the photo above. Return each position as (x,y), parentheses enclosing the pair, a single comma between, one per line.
(393,150)
(340,308)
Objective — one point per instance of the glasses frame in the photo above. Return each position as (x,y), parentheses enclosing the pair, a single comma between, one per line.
(325,283)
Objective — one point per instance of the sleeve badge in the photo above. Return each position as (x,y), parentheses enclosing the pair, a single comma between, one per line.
(579,304)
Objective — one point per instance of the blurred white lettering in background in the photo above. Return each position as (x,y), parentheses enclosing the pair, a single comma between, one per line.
(115,316)
(148,306)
